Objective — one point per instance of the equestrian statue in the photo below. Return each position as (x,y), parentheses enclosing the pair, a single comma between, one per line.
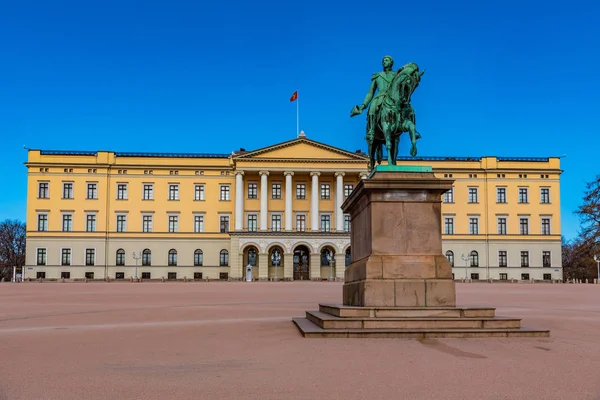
(390,112)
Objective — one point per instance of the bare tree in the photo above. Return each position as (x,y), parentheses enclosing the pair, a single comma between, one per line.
(12,247)
(589,213)
(578,260)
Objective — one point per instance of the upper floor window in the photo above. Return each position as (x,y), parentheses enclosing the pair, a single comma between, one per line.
(120,259)
(524,259)
(501,225)
(90,257)
(224,258)
(198,192)
(67,223)
(44,190)
(198,223)
(65,257)
(502,258)
(92,191)
(325,223)
(325,191)
(173,192)
(348,188)
(473,195)
(301,222)
(276,222)
(252,190)
(474,226)
(121,191)
(225,195)
(449,196)
(501,195)
(523,195)
(148,191)
(300,191)
(67,190)
(146,258)
(224,223)
(42,222)
(172,258)
(346,223)
(173,223)
(41,256)
(121,223)
(90,225)
(474,258)
(524,226)
(252,222)
(198,258)
(545,226)
(448,225)
(146,223)
(545,195)
(546,259)
(276,191)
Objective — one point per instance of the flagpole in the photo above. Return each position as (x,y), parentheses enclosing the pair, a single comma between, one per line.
(297,115)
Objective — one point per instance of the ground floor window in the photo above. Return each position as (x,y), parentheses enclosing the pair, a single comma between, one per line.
(65,275)
(223,276)
(120,275)
(197,276)
(89,275)
(475,277)
(171,275)
(146,275)
(525,277)
(547,277)
(40,274)
(503,277)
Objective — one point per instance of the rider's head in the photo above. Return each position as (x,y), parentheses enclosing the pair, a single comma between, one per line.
(387,61)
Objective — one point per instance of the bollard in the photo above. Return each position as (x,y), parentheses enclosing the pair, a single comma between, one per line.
(163,278)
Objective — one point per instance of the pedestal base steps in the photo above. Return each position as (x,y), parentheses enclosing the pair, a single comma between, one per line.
(333,320)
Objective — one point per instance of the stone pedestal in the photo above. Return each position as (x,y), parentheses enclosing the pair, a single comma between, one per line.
(399,283)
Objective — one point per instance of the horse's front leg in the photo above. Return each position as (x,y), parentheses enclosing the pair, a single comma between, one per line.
(389,147)
(410,127)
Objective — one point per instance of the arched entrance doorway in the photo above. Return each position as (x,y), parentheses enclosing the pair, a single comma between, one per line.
(327,262)
(301,263)
(251,257)
(276,263)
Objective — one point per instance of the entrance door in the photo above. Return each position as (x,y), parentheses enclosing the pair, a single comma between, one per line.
(301,263)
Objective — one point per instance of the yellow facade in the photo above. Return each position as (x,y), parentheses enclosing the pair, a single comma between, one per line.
(239,209)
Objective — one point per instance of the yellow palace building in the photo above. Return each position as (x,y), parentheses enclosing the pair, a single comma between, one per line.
(119,215)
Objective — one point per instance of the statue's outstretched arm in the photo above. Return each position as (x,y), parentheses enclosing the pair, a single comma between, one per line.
(369,95)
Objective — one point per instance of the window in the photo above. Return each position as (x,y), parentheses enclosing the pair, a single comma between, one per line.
(223,276)
(43,190)
(89,275)
(545,195)
(225,193)
(450,257)
(449,225)
(348,258)
(524,226)
(198,223)
(147,223)
(92,191)
(40,275)
(120,257)
(449,196)
(198,258)
(119,275)
(545,226)
(90,256)
(276,191)
(502,258)
(348,188)
(41,257)
(523,195)
(301,223)
(90,224)
(67,225)
(121,223)
(524,259)
(65,275)
(172,276)
(301,191)
(197,276)
(173,192)
(501,225)
(325,191)
(224,224)
(474,226)
(276,223)
(475,276)
(525,277)
(224,258)
(146,275)
(42,222)
(67,190)
(546,260)
(122,191)
(65,258)
(501,195)
(252,222)
(173,223)
(346,223)
(253,190)
(172,258)
(474,258)
(198,192)
(473,195)
(504,277)
(547,277)
(148,191)
(325,223)
(146,258)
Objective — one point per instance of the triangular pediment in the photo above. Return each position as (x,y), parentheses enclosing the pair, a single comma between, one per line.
(301,148)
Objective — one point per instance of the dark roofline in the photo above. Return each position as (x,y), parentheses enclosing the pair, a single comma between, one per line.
(132,154)
(450,158)
(68,153)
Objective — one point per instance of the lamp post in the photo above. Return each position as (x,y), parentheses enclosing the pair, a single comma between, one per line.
(275,259)
(330,259)
(598,264)
(466,260)
(136,257)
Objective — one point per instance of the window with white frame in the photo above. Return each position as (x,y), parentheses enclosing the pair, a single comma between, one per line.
(225,193)
(253,190)
(252,222)
(276,222)
(121,222)
(449,225)
(121,191)
(173,191)
(42,222)
(146,223)
(198,192)
(148,191)
(474,225)
(545,226)
(41,256)
(524,226)
(92,190)
(43,190)
(523,195)
(325,191)
(90,223)
(545,195)
(173,223)
(65,257)
(276,191)
(325,223)
(90,257)
(67,190)
(473,198)
(546,259)
(348,188)
(301,222)
(224,224)
(198,223)
(301,191)
(500,195)
(449,196)
(347,223)
(502,258)
(502,225)
(67,222)
(524,259)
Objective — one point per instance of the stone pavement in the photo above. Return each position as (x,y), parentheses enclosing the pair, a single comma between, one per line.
(224,340)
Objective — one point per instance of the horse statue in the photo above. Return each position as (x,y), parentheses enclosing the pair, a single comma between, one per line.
(395,116)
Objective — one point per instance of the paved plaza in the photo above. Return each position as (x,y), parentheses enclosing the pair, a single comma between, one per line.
(224,340)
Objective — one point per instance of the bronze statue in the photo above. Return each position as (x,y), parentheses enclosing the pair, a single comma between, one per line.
(390,112)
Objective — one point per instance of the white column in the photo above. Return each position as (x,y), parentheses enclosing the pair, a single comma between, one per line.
(339,199)
(239,200)
(314,202)
(288,200)
(263,200)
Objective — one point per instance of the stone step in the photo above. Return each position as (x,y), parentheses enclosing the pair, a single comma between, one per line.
(342,311)
(310,330)
(328,321)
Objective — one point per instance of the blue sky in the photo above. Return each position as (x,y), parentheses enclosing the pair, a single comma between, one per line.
(510,78)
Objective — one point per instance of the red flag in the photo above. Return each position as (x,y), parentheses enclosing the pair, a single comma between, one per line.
(294,96)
